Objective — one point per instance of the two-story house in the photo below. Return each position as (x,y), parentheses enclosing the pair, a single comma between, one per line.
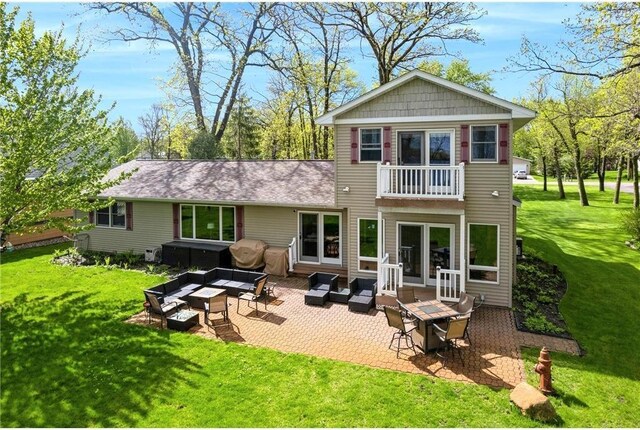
(420,193)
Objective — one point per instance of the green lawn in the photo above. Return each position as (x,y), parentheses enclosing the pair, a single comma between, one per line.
(69,360)
(601,307)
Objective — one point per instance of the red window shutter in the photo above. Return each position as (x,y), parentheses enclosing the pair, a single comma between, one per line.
(129,215)
(504,143)
(176,221)
(92,217)
(239,222)
(464,144)
(354,145)
(386,139)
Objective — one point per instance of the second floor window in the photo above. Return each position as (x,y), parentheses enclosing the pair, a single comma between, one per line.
(370,144)
(112,216)
(484,143)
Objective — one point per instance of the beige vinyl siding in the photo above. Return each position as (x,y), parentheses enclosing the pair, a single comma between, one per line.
(278,225)
(274,225)
(421,98)
(481,179)
(152,226)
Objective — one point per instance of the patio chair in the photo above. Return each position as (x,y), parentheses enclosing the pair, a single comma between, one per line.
(449,336)
(255,296)
(163,309)
(363,298)
(406,295)
(395,320)
(319,286)
(215,305)
(466,307)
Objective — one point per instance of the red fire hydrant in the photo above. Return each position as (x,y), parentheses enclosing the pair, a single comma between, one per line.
(543,368)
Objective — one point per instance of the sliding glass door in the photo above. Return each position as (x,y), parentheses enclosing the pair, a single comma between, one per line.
(422,247)
(321,237)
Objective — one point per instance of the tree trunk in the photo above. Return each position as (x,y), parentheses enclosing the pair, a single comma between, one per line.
(544,173)
(601,169)
(636,188)
(556,161)
(616,195)
(584,200)
(629,169)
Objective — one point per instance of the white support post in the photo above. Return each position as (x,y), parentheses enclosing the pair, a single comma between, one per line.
(380,250)
(461,183)
(463,252)
(379,180)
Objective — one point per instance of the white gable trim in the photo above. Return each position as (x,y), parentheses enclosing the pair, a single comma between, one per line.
(516,110)
(431,118)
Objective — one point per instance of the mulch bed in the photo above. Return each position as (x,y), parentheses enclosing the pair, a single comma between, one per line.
(537,295)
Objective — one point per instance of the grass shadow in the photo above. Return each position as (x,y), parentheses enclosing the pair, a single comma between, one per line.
(67,362)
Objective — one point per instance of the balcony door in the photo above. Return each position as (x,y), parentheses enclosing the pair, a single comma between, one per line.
(439,159)
(320,237)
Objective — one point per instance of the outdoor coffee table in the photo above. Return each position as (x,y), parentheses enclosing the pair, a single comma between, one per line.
(427,313)
(203,295)
(183,320)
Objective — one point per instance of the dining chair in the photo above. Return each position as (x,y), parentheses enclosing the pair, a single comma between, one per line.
(395,320)
(449,335)
(217,304)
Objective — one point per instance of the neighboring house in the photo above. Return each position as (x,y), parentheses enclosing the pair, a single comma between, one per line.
(419,193)
(520,163)
(52,233)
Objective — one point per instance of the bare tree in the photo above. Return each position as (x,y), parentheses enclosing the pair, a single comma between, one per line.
(194,30)
(153,130)
(604,43)
(399,34)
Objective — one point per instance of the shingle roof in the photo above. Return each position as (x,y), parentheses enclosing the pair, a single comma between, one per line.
(282,182)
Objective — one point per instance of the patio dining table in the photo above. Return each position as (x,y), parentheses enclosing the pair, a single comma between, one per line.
(427,313)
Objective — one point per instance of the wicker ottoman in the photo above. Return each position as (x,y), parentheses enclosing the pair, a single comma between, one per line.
(342,295)
(316,297)
(360,303)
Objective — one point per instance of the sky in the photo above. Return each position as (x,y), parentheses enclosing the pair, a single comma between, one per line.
(130,74)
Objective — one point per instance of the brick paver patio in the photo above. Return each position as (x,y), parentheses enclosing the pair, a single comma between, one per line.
(333,332)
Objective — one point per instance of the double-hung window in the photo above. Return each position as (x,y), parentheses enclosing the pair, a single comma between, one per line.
(484,143)
(370,144)
(208,222)
(367,245)
(483,252)
(114,216)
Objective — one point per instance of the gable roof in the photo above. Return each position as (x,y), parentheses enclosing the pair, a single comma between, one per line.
(517,111)
(296,183)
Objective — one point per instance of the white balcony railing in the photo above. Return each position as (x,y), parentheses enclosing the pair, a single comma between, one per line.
(293,254)
(389,277)
(432,182)
(448,284)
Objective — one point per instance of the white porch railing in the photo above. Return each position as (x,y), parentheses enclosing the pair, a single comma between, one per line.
(389,277)
(293,253)
(448,284)
(433,182)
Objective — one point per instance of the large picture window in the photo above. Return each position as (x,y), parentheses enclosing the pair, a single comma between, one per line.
(483,252)
(208,222)
(484,143)
(367,245)
(370,144)
(114,216)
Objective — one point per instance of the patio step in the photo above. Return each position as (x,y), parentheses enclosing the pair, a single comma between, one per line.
(304,270)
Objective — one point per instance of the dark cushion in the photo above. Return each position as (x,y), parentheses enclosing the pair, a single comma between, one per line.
(196,278)
(321,287)
(224,274)
(242,276)
(182,278)
(171,286)
(360,299)
(210,275)
(363,293)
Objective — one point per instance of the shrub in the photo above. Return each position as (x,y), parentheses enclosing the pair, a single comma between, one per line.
(630,220)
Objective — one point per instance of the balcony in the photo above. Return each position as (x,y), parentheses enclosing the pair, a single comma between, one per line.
(421,182)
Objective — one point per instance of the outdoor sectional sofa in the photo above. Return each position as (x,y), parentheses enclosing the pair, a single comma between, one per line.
(234,281)
(179,287)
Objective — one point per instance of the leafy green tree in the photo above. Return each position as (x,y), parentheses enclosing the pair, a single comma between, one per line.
(204,146)
(126,143)
(241,141)
(54,141)
(458,71)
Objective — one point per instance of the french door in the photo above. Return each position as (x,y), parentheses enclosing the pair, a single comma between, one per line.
(320,236)
(422,247)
